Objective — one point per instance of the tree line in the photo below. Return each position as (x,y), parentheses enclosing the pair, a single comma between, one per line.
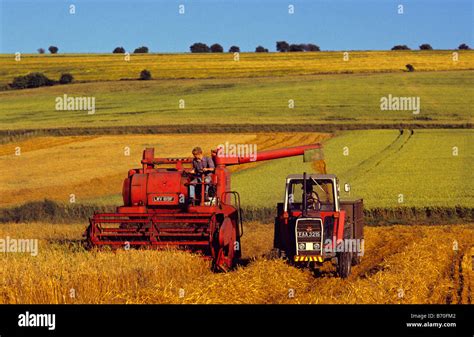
(427,46)
(281,46)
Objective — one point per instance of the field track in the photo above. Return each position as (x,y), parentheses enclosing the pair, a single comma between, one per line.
(376,159)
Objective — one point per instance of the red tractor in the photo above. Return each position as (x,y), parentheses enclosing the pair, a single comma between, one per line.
(314,225)
(157,212)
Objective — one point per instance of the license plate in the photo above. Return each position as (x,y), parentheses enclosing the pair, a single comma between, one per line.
(309,234)
(164,199)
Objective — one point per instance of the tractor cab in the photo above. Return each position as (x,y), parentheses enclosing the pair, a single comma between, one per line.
(316,193)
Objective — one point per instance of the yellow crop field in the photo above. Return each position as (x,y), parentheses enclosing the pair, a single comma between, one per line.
(106,67)
(86,166)
(402,264)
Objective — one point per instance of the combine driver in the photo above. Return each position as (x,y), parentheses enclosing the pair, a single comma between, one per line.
(201,165)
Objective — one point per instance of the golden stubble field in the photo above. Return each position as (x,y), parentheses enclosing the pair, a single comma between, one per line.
(402,264)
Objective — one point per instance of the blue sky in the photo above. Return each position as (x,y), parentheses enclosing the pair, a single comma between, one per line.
(100,26)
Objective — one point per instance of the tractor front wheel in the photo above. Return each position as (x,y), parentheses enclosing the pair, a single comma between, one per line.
(276,253)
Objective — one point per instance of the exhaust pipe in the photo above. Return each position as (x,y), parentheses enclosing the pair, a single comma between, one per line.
(305,201)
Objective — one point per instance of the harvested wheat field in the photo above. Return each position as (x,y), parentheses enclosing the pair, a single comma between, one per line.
(402,264)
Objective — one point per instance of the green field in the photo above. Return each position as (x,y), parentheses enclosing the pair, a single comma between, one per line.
(257,89)
(380,166)
(355,98)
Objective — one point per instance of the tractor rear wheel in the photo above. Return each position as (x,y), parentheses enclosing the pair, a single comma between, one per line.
(356,256)
(344,259)
(344,262)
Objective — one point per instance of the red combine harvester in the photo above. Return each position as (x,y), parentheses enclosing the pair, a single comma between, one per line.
(157,211)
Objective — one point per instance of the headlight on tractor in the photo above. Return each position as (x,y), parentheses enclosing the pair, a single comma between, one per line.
(316,246)
(301,246)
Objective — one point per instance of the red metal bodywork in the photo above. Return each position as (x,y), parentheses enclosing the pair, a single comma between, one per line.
(156,212)
(285,226)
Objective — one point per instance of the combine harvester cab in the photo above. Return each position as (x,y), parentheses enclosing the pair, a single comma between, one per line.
(313,225)
(157,212)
